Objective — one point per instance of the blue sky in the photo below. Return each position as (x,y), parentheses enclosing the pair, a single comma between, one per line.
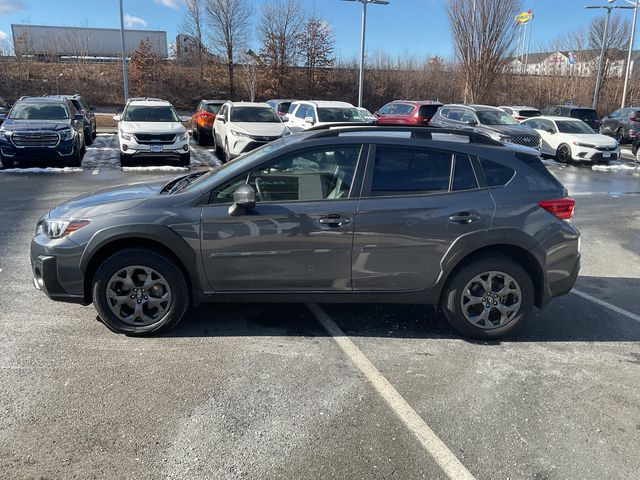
(417,27)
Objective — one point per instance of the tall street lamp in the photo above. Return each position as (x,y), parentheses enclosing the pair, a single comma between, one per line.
(125,74)
(627,72)
(603,47)
(362,44)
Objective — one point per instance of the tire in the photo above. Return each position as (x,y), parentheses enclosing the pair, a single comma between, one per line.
(75,160)
(185,159)
(88,137)
(7,162)
(637,155)
(201,138)
(124,159)
(495,326)
(216,147)
(620,136)
(563,153)
(194,133)
(126,271)
(227,153)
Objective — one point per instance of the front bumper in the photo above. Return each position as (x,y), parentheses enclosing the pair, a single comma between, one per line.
(180,146)
(593,155)
(240,145)
(56,269)
(62,150)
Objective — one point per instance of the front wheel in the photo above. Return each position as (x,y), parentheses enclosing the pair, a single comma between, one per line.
(140,292)
(76,158)
(227,152)
(185,159)
(488,297)
(620,136)
(88,137)
(637,155)
(7,162)
(216,146)
(563,154)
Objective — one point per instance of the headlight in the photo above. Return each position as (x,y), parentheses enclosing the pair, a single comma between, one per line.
(499,137)
(66,134)
(586,145)
(6,133)
(126,135)
(184,136)
(240,134)
(59,228)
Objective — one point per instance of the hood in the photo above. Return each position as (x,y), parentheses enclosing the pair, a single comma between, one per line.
(594,139)
(107,201)
(261,129)
(34,125)
(509,130)
(152,127)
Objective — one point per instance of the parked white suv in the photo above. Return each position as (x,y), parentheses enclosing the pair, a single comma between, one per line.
(150,127)
(243,126)
(310,113)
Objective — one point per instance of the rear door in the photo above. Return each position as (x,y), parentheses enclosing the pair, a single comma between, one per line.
(416,203)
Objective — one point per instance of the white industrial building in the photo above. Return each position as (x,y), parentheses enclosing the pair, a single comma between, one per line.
(567,63)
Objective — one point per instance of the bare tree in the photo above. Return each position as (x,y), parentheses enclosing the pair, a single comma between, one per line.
(483,40)
(616,43)
(193,26)
(230,24)
(281,27)
(250,77)
(317,46)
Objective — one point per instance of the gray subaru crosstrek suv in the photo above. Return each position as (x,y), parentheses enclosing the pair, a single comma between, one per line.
(354,214)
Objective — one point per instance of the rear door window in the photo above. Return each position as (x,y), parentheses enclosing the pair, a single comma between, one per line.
(464,178)
(410,171)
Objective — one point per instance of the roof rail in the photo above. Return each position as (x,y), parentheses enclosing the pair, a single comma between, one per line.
(145,98)
(335,129)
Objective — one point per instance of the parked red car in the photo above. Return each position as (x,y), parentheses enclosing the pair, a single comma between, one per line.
(202,120)
(407,112)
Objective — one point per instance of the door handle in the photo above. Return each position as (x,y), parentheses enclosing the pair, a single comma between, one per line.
(334,220)
(465,217)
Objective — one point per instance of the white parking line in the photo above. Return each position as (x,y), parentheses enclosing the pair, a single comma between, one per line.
(613,308)
(444,457)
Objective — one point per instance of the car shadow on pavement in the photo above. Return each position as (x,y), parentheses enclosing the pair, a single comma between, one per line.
(570,318)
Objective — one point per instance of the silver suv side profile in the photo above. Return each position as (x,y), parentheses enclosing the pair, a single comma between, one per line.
(348,214)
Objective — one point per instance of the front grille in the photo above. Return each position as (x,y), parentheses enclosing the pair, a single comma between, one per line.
(606,149)
(526,140)
(155,137)
(35,139)
(260,138)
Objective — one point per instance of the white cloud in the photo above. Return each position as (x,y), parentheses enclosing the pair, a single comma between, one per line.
(3,36)
(167,3)
(11,6)
(130,21)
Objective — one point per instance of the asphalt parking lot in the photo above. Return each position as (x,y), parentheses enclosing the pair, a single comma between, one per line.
(331,391)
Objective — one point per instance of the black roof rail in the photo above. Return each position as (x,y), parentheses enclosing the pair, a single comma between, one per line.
(335,129)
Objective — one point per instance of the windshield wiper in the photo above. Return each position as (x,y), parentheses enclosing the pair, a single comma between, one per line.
(181,182)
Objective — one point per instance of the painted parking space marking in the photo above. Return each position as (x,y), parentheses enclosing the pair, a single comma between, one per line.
(448,462)
(607,305)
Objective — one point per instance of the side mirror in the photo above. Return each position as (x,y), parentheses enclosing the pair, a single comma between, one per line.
(184,118)
(78,117)
(550,130)
(222,118)
(117,118)
(285,118)
(92,108)
(309,120)
(244,198)
(472,123)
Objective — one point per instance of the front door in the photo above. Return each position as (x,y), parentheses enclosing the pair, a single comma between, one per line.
(300,234)
(415,204)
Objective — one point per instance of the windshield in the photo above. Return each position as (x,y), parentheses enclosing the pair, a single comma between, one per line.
(529,113)
(283,107)
(41,111)
(254,115)
(235,166)
(212,107)
(584,114)
(574,127)
(495,117)
(145,113)
(339,115)
(365,112)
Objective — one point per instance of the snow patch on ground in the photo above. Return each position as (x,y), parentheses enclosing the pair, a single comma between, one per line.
(43,170)
(160,168)
(615,166)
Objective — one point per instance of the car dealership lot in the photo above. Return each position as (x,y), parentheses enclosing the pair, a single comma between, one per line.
(264,391)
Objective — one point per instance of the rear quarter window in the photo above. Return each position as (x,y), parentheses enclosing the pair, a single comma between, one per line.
(497,175)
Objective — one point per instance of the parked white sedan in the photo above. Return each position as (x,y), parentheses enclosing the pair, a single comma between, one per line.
(570,139)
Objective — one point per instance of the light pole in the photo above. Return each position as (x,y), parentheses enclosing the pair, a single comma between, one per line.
(125,74)
(603,47)
(627,72)
(362,42)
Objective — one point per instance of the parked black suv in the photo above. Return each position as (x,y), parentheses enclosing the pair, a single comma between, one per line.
(42,128)
(87,111)
(586,114)
(623,124)
(490,121)
(347,214)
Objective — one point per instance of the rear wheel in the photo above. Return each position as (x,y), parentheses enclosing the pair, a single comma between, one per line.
(7,162)
(139,292)
(563,154)
(488,297)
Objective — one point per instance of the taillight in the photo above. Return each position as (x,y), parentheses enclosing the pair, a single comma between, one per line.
(560,207)
(635,119)
(205,118)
